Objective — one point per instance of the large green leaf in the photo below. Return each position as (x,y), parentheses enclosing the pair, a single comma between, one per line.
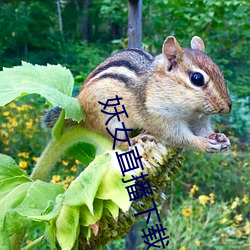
(83,189)
(101,179)
(22,200)
(39,194)
(53,82)
(83,152)
(112,188)
(67,226)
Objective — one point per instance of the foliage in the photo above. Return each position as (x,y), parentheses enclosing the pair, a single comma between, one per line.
(30,32)
(95,208)
(223,25)
(232,166)
(204,223)
(53,82)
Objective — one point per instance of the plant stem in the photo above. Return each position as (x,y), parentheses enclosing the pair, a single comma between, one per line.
(57,147)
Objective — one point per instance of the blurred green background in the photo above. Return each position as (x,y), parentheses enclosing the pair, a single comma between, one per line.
(208,204)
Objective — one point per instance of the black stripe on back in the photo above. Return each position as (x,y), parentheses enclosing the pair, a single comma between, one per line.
(142,53)
(118,77)
(118,63)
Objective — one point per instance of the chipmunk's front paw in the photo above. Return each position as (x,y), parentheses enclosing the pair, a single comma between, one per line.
(141,138)
(218,142)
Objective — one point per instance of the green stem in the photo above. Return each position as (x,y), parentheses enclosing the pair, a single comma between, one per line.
(57,147)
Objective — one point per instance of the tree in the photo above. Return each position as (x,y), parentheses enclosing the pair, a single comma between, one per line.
(134,23)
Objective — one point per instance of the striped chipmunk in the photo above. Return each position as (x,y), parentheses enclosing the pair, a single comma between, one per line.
(168,97)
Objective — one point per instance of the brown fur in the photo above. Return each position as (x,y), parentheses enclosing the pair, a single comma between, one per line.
(158,95)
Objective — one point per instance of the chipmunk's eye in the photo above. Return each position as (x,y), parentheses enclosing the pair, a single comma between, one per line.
(197,79)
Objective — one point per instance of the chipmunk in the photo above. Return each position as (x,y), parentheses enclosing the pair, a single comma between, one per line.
(169,97)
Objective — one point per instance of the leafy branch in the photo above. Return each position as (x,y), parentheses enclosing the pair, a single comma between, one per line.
(95,208)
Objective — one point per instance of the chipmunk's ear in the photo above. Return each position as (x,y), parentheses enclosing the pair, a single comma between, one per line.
(197,43)
(171,49)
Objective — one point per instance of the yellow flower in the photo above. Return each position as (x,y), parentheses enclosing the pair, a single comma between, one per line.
(235,203)
(73,168)
(245,199)
(203,199)
(6,141)
(29,124)
(238,218)
(12,105)
(186,211)
(77,162)
(197,242)
(14,123)
(65,185)
(6,113)
(224,164)
(55,178)
(23,107)
(4,134)
(6,149)
(70,178)
(24,154)
(247,227)
(223,220)
(234,152)
(192,190)
(23,164)
(182,248)
(65,163)
(211,195)
(35,159)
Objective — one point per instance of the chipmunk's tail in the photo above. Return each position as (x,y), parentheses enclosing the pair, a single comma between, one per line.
(50,117)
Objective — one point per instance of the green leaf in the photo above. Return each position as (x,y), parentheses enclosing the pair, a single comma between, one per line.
(25,202)
(67,226)
(112,188)
(48,215)
(112,208)
(83,189)
(8,221)
(20,198)
(101,179)
(50,234)
(53,82)
(39,194)
(86,218)
(14,198)
(58,127)
(11,183)
(83,152)
(4,240)
(86,232)
(9,168)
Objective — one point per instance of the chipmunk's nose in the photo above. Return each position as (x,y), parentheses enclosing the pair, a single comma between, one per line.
(227,108)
